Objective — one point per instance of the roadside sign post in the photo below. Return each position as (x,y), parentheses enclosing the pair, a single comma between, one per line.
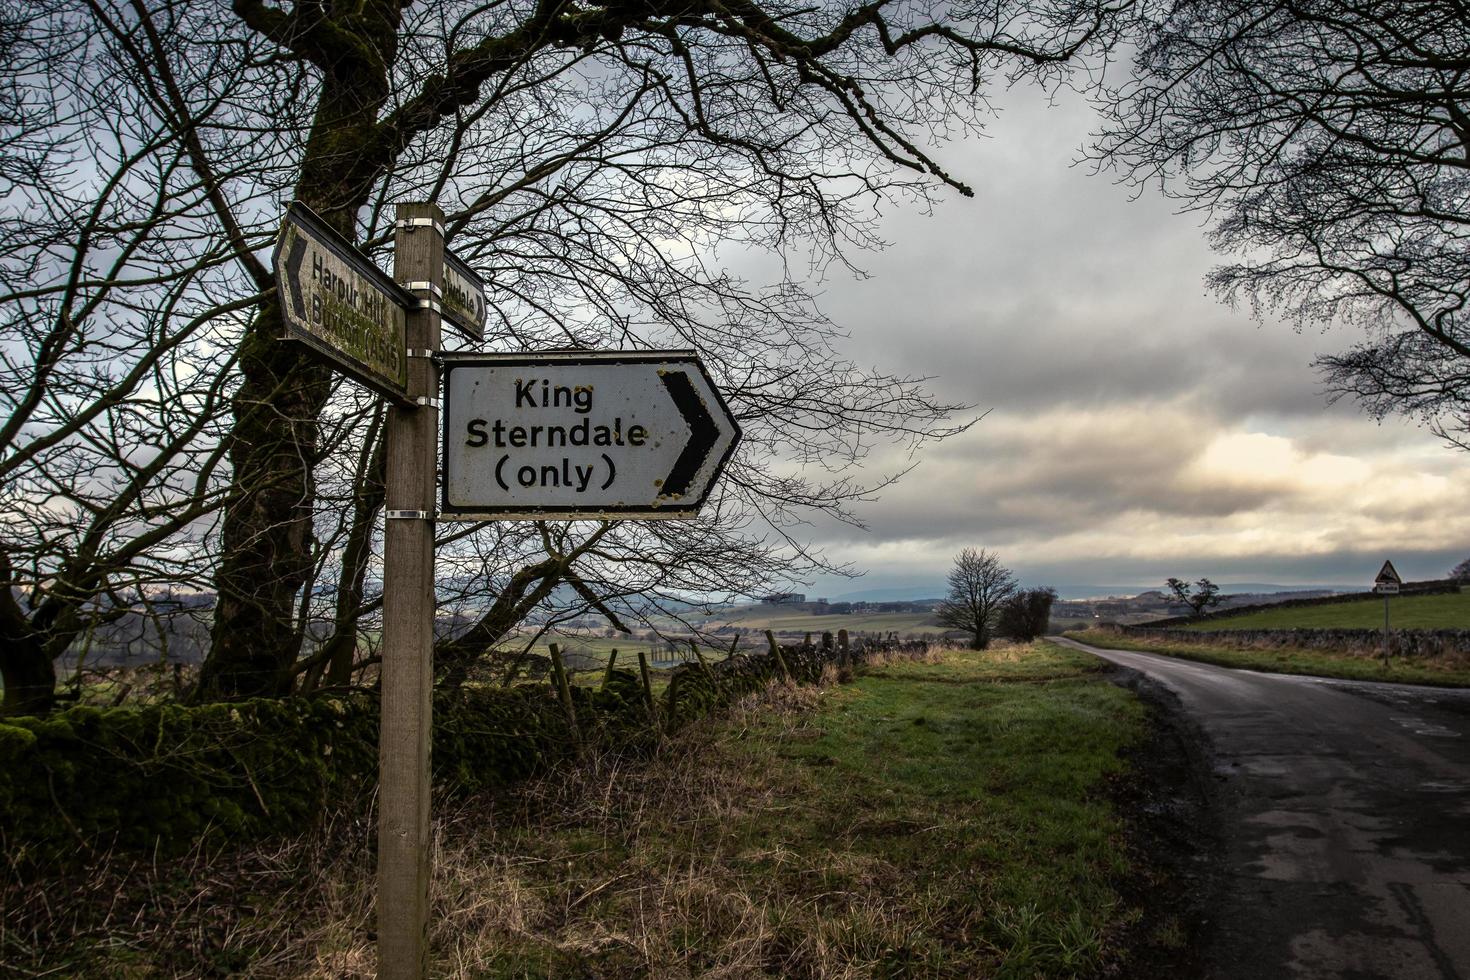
(407,669)
(1385,629)
(1386,584)
(547,436)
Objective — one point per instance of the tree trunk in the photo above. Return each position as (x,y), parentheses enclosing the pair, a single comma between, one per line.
(29,676)
(343,642)
(26,667)
(267,533)
(267,527)
(525,590)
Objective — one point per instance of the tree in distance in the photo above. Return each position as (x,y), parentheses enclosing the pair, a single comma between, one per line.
(1202,595)
(978,586)
(1330,141)
(1461,572)
(1026,615)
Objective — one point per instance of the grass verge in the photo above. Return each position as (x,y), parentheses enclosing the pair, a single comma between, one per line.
(1316,663)
(944,819)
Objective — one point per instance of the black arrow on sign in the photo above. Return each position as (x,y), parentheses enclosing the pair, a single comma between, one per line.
(294,257)
(703,434)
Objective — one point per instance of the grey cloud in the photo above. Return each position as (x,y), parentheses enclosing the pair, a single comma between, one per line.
(1010,478)
(1052,286)
(1052,296)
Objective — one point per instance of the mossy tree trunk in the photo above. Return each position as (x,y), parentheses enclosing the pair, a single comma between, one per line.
(273,446)
(29,676)
(26,666)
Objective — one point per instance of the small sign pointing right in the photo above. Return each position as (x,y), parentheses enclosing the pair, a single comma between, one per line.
(574,435)
(464,297)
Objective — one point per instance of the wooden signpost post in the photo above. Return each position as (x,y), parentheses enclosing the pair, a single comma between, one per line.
(408,609)
(660,437)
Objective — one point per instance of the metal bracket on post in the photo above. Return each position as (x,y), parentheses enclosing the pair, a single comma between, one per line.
(425,401)
(407,515)
(409,224)
(421,352)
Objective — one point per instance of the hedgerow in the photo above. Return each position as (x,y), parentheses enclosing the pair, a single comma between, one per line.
(162,778)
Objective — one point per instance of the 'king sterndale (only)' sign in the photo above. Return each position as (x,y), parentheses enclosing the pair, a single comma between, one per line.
(566,436)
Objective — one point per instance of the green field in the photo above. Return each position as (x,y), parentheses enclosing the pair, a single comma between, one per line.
(1405,612)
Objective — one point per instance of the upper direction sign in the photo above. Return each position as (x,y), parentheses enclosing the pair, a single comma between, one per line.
(464,297)
(336,301)
(577,435)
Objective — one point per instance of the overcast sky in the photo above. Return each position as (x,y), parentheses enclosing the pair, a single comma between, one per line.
(1137,428)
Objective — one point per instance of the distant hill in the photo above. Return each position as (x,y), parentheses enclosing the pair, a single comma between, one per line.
(1085,591)
(903,594)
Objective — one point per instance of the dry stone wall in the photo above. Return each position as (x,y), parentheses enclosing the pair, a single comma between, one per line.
(1426,644)
(157,779)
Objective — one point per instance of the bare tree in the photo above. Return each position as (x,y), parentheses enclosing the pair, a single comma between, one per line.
(600,164)
(1203,595)
(979,585)
(1331,141)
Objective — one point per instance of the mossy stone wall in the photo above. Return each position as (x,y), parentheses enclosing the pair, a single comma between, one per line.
(162,777)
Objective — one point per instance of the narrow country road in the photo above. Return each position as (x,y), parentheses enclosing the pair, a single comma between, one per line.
(1345,811)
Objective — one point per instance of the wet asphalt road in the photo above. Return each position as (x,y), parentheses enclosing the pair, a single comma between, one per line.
(1345,812)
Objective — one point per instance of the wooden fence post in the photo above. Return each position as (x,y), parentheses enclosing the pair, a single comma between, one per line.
(703,664)
(648,701)
(776,655)
(564,692)
(611,663)
(515,668)
(842,655)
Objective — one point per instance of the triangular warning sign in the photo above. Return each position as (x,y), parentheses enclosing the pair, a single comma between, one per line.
(1388,574)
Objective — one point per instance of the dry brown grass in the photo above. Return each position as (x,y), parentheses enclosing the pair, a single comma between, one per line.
(524,870)
(744,849)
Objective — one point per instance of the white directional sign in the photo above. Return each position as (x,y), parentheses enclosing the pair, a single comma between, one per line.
(341,305)
(567,436)
(464,297)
